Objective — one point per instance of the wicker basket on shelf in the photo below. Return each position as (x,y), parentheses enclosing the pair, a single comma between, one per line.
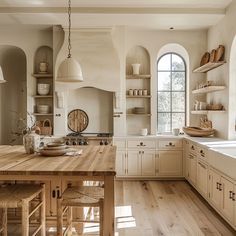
(45,127)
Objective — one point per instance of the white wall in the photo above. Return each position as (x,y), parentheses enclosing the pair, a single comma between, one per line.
(28,39)
(194,42)
(224,33)
(12,93)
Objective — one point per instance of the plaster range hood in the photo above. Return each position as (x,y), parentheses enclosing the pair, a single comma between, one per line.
(95,51)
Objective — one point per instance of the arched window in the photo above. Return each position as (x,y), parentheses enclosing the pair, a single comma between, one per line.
(171,92)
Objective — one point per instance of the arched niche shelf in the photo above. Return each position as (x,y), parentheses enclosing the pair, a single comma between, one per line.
(43,54)
(138,91)
(138,55)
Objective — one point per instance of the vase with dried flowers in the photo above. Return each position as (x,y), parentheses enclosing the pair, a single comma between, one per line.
(31,140)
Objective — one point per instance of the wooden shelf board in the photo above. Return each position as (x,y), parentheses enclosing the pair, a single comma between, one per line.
(128,96)
(41,114)
(43,75)
(132,114)
(208,89)
(42,96)
(138,76)
(205,112)
(209,66)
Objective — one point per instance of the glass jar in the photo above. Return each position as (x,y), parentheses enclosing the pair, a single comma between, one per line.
(31,142)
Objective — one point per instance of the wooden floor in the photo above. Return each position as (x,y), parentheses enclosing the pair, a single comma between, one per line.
(171,208)
(162,208)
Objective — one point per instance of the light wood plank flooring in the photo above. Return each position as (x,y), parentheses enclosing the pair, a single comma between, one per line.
(162,208)
(171,208)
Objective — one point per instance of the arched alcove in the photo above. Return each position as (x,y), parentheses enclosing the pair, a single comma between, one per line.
(232,92)
(43,54)
(139,55)
(13,94)
(141,86)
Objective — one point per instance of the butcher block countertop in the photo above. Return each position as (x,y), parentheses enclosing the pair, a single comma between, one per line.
(94,161)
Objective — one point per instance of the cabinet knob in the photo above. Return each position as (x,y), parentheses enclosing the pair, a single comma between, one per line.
(58,115)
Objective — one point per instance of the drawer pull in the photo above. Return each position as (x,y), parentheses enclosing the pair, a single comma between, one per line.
(230,194)
(233,196)
(53,193)
(203,166)
(141,145)
(192,147)
(170,145)
(220,187)
(217,185)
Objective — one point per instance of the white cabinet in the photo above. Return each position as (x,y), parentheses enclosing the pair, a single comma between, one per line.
(120,162)
(170,163)
(133,163)
(140,163)
(202,178)
(222,194)
(148,163)
(192,168)
(227,198)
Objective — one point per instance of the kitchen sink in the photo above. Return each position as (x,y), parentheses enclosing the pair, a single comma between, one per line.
(224,159)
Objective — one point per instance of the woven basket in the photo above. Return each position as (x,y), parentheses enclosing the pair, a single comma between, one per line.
(46,129)
(198,132)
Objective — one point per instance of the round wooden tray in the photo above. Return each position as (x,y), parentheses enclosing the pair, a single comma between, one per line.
(198,132)
(205,58)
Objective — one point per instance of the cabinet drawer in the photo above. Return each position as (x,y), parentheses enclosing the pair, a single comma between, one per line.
(141,144)
(120,144)
(202,153)
(193,148)
(170,144)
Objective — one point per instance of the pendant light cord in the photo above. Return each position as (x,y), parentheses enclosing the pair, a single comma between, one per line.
(69,17)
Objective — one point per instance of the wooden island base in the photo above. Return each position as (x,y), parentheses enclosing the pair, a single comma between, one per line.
(95,164)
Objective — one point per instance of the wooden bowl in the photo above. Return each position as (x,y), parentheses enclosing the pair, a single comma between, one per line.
(198,132)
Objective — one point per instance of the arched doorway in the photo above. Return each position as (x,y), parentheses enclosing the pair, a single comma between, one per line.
(13,94)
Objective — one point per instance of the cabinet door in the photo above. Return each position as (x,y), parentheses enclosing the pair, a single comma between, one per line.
(214,186)
(148,167)
(227,199)
(202,178)
(192,169)
(133,163)
(120,163)
(170,163)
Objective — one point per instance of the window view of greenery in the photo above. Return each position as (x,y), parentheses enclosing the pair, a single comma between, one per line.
(171,93)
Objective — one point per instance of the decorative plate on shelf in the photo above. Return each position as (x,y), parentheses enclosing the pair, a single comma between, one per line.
(205,58)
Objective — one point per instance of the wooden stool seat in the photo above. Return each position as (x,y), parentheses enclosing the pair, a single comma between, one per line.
(82,196)
(20,195)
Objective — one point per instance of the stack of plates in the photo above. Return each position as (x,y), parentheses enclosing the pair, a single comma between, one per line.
(54,149)
(139,110)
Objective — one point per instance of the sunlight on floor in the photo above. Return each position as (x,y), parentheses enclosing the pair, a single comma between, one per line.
(123,217)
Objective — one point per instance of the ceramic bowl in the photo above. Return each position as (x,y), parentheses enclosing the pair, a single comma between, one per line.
(43,89)
(43,109)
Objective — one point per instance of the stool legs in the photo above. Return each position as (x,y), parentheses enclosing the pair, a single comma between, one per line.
(69,221)
(101,217)
(59,217)
(43,212)
(25,218)
(4,222)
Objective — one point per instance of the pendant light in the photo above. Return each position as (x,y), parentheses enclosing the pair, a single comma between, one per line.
(1,76)
(69,70)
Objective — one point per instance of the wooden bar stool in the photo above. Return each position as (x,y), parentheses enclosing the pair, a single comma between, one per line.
(20,196)
(82,196)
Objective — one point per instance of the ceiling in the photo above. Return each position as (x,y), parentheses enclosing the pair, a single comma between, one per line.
(155,14)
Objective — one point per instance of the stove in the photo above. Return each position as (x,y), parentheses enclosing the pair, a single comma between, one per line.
(77,138)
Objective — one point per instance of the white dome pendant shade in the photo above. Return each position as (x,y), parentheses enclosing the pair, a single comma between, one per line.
(69,71)
(1,76)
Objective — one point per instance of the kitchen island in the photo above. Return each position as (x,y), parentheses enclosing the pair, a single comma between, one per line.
(96,163)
